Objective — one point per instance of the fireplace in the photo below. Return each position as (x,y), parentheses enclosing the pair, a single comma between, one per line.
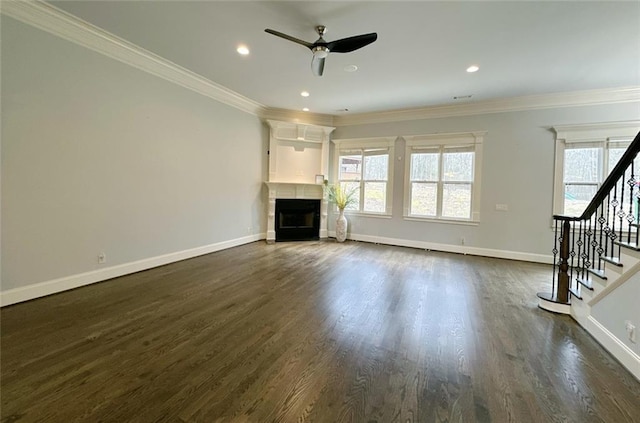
(298,164)
(297,220)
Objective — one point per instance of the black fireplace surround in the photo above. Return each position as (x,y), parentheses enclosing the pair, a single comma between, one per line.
(297,220)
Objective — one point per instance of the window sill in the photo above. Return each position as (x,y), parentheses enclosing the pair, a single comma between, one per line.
(445,221)
(365,214)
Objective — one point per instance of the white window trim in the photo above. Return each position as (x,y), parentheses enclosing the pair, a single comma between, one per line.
(365,143)
(585,135)
(459,139)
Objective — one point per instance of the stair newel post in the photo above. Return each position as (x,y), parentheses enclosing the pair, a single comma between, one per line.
(562,294)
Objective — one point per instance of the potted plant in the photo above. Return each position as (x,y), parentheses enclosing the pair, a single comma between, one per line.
(342,197)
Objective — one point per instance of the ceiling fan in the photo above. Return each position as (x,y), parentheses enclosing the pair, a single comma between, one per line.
(321,48)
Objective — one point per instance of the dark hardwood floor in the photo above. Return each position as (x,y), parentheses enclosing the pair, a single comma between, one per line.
(310,332)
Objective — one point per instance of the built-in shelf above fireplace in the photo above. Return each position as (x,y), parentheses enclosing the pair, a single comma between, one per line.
(298,158)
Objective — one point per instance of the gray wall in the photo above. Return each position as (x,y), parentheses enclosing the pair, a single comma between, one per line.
(517,170)
(100,157)
(618,307)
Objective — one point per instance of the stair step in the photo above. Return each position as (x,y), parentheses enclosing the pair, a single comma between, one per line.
(549,302)
(613,260)
(587,283)
(575,292)
(598,273)
(630,245)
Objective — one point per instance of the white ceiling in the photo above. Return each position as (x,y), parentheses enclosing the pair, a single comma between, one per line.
(419,60)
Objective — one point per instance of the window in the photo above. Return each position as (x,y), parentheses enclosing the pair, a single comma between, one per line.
(585,155)
(364,166)
(585,168)
(443,176)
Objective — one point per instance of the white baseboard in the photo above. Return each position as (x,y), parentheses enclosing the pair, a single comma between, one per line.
(30,292)
(615,346)
(42,289)
(448,248)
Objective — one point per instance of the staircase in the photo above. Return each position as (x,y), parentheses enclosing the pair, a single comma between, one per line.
(597,253)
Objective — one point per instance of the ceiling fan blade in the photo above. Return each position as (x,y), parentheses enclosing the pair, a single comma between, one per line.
(317,65)
(346,45)
(289,37)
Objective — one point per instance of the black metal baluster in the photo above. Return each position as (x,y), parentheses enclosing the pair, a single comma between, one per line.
(619,203)
(594,239)
(555,255)
(607,228)
(600,248)
(611,221)
(572,253)
(580,242)
(587,246)
(621,214)
(630,218)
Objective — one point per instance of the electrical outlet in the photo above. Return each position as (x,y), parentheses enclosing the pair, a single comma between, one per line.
(631,330)
(102,258)
(249,230)
(502,207)
(462,241)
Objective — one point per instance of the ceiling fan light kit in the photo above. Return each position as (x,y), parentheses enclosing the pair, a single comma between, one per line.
(321,49)
(320,52)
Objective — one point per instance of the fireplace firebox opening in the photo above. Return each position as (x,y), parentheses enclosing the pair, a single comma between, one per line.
(297,220)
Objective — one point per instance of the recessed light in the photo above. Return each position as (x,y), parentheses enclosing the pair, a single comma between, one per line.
(350,68)
(304,94)
(473,68)
(243,50)
(305,109)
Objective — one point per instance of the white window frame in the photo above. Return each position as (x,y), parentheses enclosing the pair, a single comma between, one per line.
(473,141)
(377,143)
(595,135)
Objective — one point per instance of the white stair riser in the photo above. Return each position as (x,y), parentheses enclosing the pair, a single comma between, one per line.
(629,257)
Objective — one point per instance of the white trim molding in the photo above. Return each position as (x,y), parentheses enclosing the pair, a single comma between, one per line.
(449,248)
(30,292)
(57,22)
(616,347)
(295,116)
(363,144)
(299,191)
(588,134)
(472,140)
(513,104)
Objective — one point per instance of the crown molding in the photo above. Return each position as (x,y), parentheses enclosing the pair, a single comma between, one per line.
(514,104)
(595,132)
(64,25)
(294,116)
(57,22)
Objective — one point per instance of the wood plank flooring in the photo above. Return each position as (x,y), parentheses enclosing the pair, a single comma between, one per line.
(310,332)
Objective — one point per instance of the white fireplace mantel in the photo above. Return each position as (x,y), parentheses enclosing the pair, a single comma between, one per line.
(292,190)
(298,156)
